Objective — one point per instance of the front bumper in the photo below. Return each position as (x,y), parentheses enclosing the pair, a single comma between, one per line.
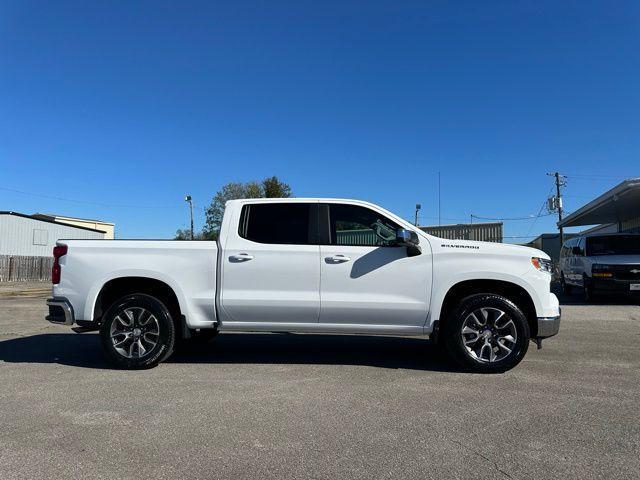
(614,286)
(60,311)
(548,326)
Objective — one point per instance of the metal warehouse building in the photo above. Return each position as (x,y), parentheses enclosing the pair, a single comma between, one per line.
(26,244)
(483,232)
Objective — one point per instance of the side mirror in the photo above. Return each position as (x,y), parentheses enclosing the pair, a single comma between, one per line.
(409,239)
(576,250)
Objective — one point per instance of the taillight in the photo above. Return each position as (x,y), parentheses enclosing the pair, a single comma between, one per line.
(58,251)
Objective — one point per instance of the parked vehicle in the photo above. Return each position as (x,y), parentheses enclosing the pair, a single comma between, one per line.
(601,263)
(307,265)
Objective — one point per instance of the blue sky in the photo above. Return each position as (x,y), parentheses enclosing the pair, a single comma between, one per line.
(126,106)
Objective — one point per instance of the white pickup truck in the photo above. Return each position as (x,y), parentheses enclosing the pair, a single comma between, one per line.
(312,266)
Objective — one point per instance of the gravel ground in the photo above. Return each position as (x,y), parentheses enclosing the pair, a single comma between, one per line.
(311,406)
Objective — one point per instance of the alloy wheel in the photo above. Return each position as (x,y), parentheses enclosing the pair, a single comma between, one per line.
(135,332)
(489,334)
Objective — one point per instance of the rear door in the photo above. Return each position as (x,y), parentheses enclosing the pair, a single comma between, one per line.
(270,261)
(365,278)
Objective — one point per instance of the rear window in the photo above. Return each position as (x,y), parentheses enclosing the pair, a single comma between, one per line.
(614,245)
(281,223)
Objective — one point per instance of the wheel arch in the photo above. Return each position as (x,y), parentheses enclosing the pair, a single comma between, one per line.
(510,290)
(117,287)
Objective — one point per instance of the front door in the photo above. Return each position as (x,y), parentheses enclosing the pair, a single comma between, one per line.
(271,271)
(366,279)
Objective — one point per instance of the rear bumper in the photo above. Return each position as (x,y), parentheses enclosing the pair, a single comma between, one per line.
(60,311)
(548,326)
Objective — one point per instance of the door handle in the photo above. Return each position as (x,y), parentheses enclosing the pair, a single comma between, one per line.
(241,257)
(338,259)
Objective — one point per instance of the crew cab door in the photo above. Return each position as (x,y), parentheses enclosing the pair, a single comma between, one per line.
(365,279)
(270,265)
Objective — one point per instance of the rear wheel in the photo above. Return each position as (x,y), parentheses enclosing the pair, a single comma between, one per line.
(137,332)
(487,333)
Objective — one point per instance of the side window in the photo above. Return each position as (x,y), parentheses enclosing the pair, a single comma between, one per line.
(360,226)
(581,243)
(279,223)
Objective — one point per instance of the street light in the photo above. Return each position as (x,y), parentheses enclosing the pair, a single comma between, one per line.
(418,207)
(188,199)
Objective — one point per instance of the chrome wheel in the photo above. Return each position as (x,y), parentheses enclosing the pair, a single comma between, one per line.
(489,334)
(135,332)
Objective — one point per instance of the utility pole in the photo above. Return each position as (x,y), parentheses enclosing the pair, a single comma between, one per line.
(418,207)
(188,199)
(439,218)
(558,202)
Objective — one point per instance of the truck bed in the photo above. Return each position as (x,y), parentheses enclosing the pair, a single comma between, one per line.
(189,268)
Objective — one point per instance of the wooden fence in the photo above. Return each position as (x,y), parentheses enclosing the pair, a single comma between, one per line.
(20,269)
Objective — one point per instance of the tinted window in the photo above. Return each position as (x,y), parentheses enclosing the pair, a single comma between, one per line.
(360,226)
(614,245)
(283,223)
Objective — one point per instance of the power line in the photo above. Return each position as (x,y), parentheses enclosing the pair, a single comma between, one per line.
(544,202)
(529,217)
(581,175)
(99,204)
(598,178)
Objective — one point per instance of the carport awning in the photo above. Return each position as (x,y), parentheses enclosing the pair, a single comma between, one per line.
(617,205)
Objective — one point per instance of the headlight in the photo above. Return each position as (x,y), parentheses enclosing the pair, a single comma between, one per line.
(542,264)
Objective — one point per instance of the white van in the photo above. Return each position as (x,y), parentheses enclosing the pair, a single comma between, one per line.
(601,263)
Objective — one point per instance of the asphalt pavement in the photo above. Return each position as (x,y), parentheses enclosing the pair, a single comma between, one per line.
(313,406)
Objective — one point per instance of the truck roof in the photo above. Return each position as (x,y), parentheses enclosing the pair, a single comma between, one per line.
(298,199)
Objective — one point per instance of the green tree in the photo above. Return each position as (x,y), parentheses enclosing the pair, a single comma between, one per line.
(182,234)
(185,234)
(270,187)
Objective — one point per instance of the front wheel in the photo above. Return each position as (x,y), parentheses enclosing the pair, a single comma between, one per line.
(487,333)
(137,332)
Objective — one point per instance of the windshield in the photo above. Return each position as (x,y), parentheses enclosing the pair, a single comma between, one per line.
(614,245)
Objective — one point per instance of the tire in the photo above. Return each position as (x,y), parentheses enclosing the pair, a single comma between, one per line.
(499,328)
(137,332)
(566,288)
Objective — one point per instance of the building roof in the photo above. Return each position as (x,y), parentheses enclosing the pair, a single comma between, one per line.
(46,220)
(620,203)
(63,217)
(479,224)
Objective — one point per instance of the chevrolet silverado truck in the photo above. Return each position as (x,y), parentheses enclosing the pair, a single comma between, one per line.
(312,266)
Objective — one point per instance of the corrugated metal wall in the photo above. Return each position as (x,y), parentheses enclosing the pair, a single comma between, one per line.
(631,226)
(356,237)
(29,237)
(484,232)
